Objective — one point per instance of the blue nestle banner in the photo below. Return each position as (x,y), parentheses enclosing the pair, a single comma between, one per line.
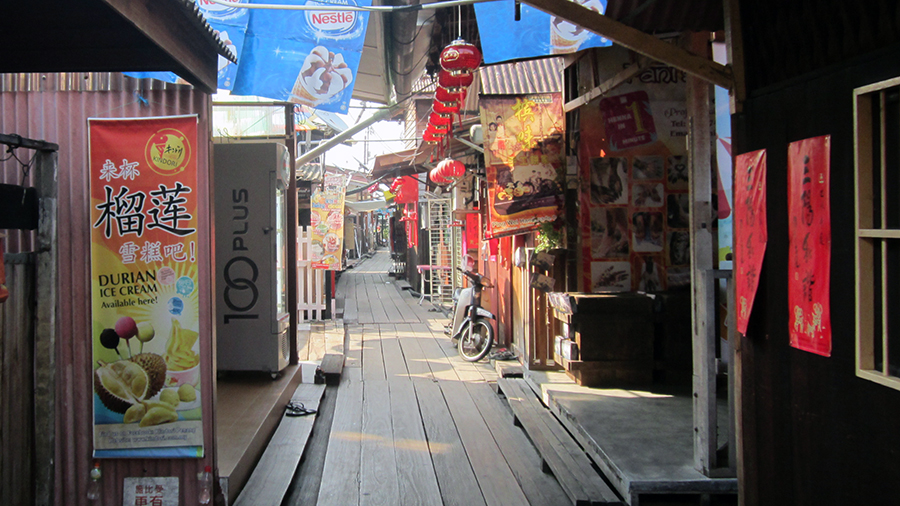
(230,24)
(307,57)
(535,34)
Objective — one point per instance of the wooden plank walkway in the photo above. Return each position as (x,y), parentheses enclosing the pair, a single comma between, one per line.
(413,423)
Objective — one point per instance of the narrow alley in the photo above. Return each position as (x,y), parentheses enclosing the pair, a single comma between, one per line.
(412,422)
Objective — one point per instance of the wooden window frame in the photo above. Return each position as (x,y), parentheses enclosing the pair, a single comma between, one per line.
(868,238)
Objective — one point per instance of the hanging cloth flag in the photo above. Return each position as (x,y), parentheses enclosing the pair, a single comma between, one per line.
(230,24)
(535,34)
(308,57)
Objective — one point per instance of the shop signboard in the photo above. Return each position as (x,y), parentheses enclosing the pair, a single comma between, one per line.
(327,223)
(144,287)
(750,231)
(532,33)
(524,159)
(635,202)
(809,239)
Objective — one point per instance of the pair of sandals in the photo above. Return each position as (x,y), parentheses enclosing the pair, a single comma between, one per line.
(502,354)
(295,408)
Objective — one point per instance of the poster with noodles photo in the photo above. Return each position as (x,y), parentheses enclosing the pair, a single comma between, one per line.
(145,336)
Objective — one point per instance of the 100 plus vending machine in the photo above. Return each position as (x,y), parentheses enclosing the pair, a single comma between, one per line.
(252,316)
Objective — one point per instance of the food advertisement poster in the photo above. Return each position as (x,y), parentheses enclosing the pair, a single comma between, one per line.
(327,222)
(750,231)
(634,192)
(809,239)
(525,161)
(144,287)
(230,25)
(533,33)
(308,57)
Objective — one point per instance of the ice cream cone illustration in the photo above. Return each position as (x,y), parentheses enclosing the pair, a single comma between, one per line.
(323,76)
(567,37)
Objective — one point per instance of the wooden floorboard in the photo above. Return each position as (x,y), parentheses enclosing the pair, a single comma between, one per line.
(497,482)
(540,488)
(275,470)
(416,479)
(340,474)
(305,488)
(451,465)
(394,362)
(416,363)
(372,356)
(378,477)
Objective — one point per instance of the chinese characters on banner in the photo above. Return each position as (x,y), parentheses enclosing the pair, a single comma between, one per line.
(150,491)
(750,230)
(809,236)
(327,223)
(145,302)
(524,157)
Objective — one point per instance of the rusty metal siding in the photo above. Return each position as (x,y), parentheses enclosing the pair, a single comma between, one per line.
(16,381)
(55,108)
(543,75)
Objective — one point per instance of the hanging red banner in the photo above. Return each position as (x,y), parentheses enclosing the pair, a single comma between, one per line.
(809,235)
(750,233)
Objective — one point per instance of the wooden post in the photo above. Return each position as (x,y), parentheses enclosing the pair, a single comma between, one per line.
(702,293)
(45,329)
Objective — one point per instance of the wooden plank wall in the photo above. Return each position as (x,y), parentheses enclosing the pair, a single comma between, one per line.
(811,432)
(16,381)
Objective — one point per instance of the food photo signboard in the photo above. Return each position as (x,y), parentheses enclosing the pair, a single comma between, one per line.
(327,223)
(144,287)
(524,158)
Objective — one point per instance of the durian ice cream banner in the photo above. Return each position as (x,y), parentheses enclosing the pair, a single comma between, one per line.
(144,287)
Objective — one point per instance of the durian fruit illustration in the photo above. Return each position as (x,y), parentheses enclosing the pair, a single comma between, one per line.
(125,386)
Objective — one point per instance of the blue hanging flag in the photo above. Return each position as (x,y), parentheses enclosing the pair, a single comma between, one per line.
(230,24)
(307,57)
(535,34)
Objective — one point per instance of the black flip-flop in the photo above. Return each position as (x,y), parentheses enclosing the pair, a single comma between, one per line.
(297,409)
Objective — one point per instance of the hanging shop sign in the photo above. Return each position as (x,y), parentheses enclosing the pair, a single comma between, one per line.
(809,239)
(144,287)
(534,33)
(750,231)
(306,57)
(525,161)
(327,223)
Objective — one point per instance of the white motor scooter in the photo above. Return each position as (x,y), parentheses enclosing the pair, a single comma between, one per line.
(470,327)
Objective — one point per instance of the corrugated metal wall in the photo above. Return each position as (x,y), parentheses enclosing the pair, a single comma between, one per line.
(55,108)
(17,381)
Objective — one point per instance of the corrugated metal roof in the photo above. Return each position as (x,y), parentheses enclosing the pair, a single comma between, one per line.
(542,75)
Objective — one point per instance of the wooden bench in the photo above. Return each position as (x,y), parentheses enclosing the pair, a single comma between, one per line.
(559,452)
(275,470)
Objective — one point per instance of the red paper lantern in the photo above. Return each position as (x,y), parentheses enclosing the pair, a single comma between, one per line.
(455,82)
(460,57)
(451,170)
(448,97)
(438,129)
(436,177)
(438,120)
(432,136)
(444,109)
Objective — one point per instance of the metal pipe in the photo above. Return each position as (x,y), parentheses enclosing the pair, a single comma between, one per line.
(332,7)
(346,134)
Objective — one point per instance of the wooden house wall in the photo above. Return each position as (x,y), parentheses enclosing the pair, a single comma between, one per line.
(813,433)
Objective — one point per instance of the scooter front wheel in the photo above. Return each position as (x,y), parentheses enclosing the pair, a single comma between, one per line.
(475,342)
